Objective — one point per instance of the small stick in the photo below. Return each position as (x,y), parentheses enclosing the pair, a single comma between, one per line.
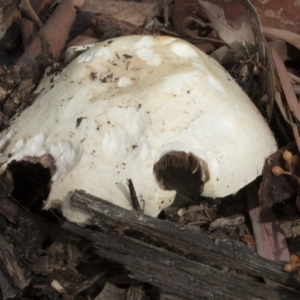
(134,199)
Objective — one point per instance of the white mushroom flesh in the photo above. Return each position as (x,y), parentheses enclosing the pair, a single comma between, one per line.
(116,109)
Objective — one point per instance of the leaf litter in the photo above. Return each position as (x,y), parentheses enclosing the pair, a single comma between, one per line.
(58,265)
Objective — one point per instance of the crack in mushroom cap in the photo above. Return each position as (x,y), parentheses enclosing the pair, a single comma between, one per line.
(117,108)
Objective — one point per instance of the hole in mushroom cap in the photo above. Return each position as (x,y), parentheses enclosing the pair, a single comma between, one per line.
(181,171)
(45,160)
(31,183)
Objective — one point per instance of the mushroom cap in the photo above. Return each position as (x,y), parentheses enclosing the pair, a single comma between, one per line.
(116,109)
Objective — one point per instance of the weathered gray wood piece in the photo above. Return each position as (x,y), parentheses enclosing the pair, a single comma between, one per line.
(190,265)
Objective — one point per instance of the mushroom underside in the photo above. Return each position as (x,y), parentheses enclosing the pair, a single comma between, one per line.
(180,171)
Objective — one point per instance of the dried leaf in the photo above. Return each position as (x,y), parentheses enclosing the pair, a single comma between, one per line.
(232,221)
(290,226)
(128,11)
(136,293)
(108,27)
(290,37)
(285,50)
(283,107)
(229,35)
(267,80)
(288,91)
(183,10)
(279,14)
(11,14)
(110,291)
(199,37)
(294,78)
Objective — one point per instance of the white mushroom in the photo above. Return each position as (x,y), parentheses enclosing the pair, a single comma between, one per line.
(151,108)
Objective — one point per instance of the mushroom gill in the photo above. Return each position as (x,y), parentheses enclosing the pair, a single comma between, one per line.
(183,172)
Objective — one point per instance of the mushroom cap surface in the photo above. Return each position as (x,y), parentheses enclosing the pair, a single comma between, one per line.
(117,108)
